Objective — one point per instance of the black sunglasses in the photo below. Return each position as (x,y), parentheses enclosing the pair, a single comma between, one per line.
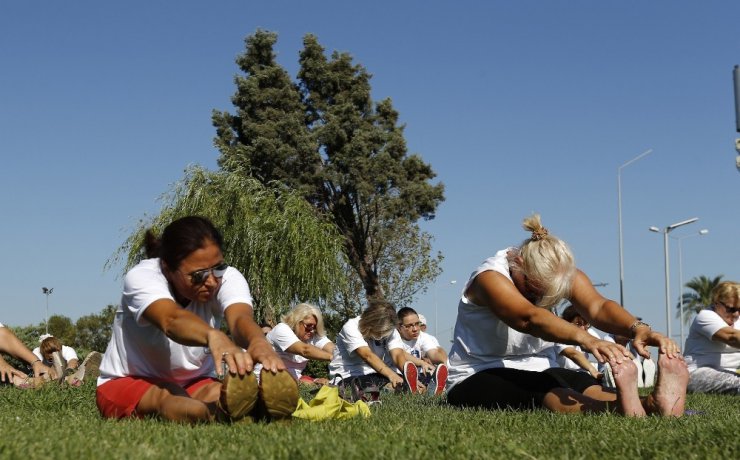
(730,309)
(201,276)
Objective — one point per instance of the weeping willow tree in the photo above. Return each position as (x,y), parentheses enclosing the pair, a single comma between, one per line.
(284,248)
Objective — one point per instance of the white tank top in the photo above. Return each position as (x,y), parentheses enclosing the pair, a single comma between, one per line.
(483,341)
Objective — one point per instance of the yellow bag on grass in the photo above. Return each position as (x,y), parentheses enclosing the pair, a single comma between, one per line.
(328,405)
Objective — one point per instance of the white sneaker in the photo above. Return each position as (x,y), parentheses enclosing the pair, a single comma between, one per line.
(648,366)
(640,378)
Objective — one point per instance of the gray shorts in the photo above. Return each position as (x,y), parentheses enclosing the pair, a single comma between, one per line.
(710,380)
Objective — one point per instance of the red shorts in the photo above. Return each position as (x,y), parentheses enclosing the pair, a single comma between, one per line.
(119,397)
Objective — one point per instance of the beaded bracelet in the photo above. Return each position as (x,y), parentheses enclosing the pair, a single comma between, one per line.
(635,325)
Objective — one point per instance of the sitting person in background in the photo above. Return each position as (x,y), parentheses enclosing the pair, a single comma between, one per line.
(572,356)
(48,345)
(713,346)
(11,345)
(66,364)
(428,358)
(266,327)
(367,350)
(300,337)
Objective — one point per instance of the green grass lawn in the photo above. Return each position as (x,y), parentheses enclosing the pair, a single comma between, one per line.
(63,423)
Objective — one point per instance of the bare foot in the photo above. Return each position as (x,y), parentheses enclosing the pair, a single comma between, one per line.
(628,398)
(669,396)
(28,382)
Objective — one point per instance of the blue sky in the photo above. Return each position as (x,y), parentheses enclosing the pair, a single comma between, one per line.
(518,106)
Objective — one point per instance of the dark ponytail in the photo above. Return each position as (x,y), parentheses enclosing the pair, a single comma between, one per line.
(152,244)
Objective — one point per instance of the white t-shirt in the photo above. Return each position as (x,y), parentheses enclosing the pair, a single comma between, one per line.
(702,351)
(138,348)
(420,346)
(347,363)
(482,341)
(68,353)
(281,337)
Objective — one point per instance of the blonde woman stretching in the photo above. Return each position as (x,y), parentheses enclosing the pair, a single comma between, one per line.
(300,337)
(504,324)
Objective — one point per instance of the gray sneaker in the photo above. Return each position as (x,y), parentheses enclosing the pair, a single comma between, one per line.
(59,364)
(89,369)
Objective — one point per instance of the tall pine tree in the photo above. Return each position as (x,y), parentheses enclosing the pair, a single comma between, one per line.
(346,154)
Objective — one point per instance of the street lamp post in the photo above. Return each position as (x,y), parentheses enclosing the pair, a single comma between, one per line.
(701,232)
(619,207)
(436,316)
(47,292)
(665,233)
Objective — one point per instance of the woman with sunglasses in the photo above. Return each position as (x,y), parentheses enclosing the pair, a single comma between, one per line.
(166,349)
(713,345)
(505,324)
(300,337)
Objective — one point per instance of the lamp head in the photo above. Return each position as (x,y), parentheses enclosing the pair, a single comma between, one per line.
(654,229)
(683,222)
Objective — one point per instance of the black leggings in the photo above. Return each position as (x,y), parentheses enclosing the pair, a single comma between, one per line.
(501,388)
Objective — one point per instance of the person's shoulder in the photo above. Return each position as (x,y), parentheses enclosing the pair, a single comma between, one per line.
(352,323)
(233,273)
(281,329)
(147,265)
(145,269)
(499,262)
(282,336)
(499,258)
(707,315)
